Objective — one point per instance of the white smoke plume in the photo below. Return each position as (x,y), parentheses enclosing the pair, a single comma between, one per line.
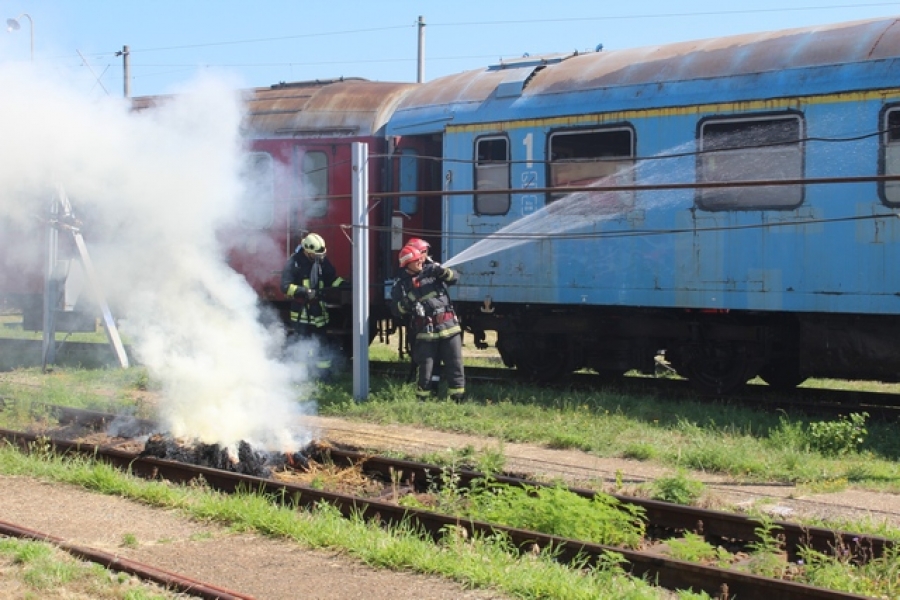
(153,188)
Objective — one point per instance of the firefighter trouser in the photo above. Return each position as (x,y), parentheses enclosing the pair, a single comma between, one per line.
(321,352)
(431,354)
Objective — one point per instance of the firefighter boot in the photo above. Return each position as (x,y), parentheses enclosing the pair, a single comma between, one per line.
(323,370)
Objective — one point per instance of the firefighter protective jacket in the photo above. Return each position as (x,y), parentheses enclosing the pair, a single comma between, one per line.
(301,274)
(422,301)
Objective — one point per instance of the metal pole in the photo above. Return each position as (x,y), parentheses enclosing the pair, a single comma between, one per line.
(112,332)
(126,70)
(48,345)
(31,30)
(421,75)
(360,218)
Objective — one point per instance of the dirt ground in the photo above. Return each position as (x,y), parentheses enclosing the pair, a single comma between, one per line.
(621,476)
(263,568)
(273,570)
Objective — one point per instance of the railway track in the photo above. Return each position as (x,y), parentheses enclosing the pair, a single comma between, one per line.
(780,500)
(814,401)
(673,574)
(171,581)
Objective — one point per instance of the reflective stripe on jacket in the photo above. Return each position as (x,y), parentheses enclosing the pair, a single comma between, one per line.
(423,300)
(299,272)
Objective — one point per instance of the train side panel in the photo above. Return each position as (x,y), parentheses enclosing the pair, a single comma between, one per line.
(658,249)
(780,280)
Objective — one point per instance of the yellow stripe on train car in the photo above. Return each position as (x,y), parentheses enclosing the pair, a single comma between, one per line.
(713,108)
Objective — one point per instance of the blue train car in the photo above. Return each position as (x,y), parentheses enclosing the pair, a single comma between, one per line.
(730,204)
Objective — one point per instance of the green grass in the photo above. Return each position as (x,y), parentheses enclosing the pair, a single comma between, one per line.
(480,562)
(747,444)
(43,571)
(11,328)
(743,443)
(106,390)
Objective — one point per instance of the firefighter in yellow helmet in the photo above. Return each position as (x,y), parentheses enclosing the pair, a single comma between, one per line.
(305,276)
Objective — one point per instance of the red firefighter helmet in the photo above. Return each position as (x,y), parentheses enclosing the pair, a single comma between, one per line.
(419,244)
(409,254)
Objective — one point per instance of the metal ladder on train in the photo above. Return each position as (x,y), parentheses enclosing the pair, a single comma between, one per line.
(62,219)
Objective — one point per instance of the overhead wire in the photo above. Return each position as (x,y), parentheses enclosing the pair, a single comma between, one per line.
(610,234)
(562,189)
(456,160)
(670,15)
(601,188)
(494,23)
(519,22)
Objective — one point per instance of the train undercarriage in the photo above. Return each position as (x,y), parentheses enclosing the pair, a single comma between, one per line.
(718,351)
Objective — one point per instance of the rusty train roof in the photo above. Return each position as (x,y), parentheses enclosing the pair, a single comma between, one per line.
(329,108)
(324,109)
(750,54)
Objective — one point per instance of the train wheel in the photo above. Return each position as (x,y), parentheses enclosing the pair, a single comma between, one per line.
(545,360)
(716,368)
(782,376)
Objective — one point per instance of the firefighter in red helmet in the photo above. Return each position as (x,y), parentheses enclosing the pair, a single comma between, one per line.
(305,276)
(422,246)
(425,248)
(419,296)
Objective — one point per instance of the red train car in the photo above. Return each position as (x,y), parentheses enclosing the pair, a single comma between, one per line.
(300,137)
(299,173)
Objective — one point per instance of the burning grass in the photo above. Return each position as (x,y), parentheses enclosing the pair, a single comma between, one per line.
(309,466)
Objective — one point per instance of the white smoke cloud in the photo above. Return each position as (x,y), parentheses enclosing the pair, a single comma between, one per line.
(153,188)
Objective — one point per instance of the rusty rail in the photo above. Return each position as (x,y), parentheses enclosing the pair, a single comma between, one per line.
(666,515)
(668,573)
(170,580)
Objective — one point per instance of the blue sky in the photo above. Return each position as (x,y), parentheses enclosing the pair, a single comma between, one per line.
(267,41)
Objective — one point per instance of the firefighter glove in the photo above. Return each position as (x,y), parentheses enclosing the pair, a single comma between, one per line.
(303,293)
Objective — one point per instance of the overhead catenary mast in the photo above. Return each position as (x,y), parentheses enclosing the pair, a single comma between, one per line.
(62,219)
(420,77)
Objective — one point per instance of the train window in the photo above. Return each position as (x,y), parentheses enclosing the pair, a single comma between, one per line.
(750,150)
(313,184)
(258,203)
(409,181)
(891,189)
(492,173)
(582,158)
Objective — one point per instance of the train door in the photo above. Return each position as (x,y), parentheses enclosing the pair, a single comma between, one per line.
(417,212)
(294,188)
